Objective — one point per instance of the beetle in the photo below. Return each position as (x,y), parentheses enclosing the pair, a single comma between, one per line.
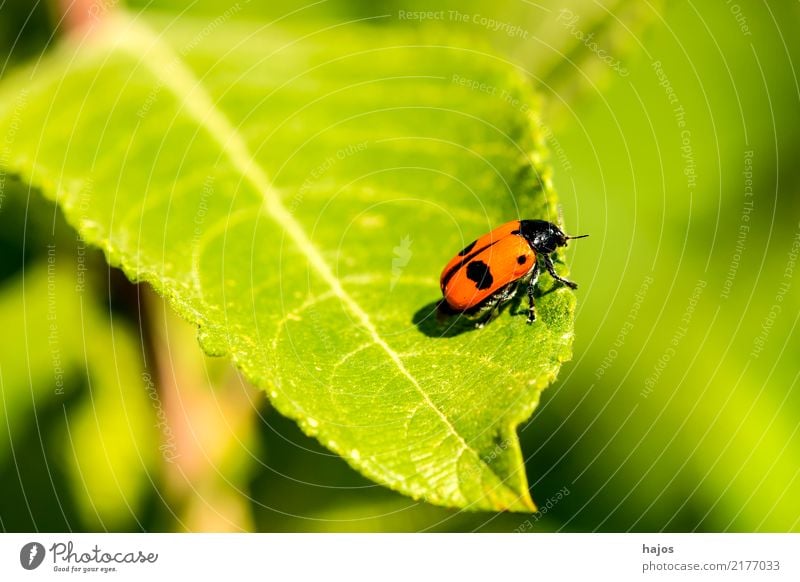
(489,271)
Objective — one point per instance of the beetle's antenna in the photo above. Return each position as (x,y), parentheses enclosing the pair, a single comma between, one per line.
(574,237)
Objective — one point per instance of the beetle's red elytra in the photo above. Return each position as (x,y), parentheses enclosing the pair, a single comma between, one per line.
(489,271)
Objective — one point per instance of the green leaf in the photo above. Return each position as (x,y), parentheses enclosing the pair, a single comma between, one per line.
(295,193)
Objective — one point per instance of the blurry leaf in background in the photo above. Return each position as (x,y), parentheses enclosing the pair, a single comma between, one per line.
(70,379)
(571,49)
(684,171)
(580,48)
(26,28)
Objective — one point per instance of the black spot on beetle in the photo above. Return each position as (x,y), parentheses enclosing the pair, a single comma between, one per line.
(522,259)
(479,272)
(467,248)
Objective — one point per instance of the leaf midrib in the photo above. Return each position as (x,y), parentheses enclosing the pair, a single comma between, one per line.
(129,36)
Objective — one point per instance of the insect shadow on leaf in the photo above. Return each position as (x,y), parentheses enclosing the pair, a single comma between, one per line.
(437,320)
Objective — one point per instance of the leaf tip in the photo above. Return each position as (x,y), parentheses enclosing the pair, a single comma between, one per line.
(523,504)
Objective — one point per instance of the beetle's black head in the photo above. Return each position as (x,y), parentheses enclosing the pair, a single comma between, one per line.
(544,237)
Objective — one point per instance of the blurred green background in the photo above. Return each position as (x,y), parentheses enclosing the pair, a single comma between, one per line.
(674,133)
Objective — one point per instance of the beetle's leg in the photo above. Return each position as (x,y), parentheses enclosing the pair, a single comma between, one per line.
(548,262)
(531,288)
(493,312)
(497,301)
